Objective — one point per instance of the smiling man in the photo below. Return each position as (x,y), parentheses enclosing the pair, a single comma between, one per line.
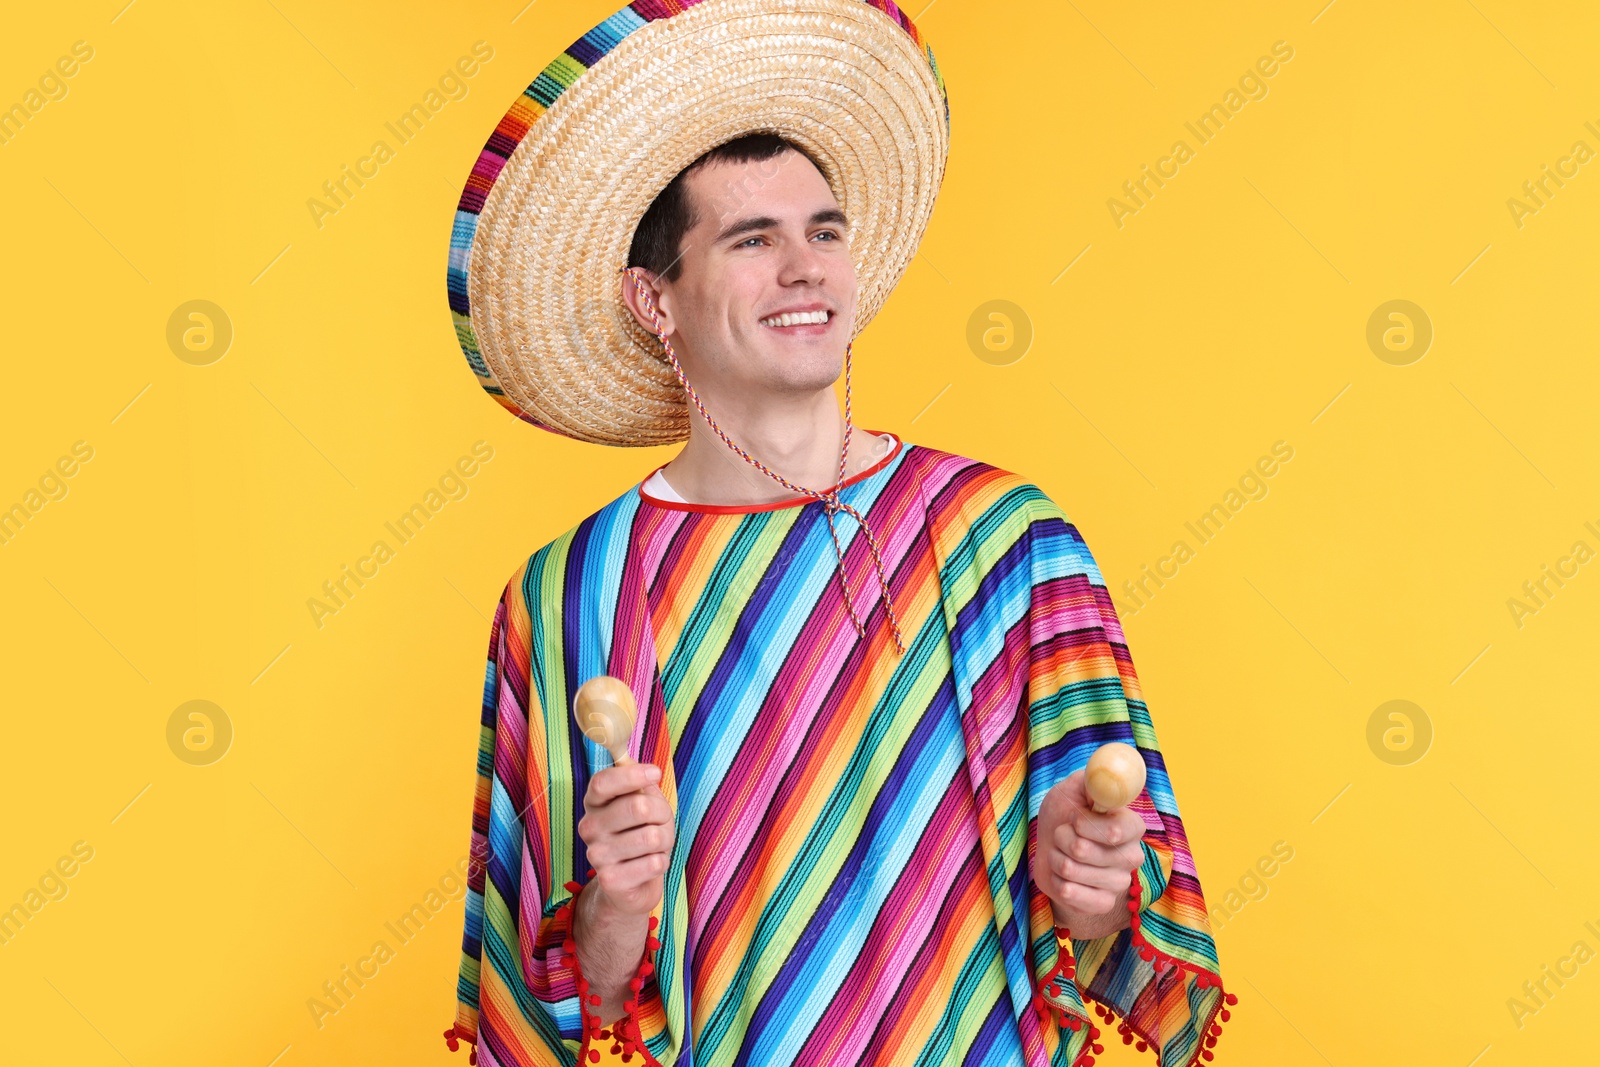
(869,673)
(745,256)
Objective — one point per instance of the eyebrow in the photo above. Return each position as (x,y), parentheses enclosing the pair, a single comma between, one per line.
(753,223)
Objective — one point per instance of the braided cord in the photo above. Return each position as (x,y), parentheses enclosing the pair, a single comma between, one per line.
(829,498)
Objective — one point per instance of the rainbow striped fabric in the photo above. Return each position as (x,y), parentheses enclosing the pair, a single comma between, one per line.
(851,876)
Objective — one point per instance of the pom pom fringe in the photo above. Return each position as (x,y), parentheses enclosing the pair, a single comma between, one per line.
(624,1034)
(1065,969)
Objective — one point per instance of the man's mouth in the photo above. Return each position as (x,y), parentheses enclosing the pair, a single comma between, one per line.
(819,317)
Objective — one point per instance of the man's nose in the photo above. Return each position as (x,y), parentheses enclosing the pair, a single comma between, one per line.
(802,264)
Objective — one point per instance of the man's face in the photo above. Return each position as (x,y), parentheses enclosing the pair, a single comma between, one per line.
(768,241)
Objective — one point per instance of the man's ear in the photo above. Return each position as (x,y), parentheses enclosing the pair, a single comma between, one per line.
(630,295)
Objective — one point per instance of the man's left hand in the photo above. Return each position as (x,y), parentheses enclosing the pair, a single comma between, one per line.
(1085,859)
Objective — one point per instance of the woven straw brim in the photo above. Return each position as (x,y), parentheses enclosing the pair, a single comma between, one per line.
(839,77)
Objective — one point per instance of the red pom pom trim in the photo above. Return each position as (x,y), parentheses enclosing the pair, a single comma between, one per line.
(1064,969)
(452,1041)
(624,1033)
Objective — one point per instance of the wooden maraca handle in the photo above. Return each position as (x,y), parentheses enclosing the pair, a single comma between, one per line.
(605,711)
(1114,776)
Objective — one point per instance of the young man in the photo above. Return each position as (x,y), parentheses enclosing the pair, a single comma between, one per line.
(855,829)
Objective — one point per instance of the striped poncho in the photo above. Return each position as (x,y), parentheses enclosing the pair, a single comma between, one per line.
(850,882)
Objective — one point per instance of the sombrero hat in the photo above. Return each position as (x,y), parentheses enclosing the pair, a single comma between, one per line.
(545,223)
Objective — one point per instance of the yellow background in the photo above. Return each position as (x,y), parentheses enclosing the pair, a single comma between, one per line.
(1228,313)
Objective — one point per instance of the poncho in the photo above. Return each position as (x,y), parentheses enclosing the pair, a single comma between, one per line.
(851,877)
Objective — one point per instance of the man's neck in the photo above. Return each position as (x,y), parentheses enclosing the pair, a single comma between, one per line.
(800,441)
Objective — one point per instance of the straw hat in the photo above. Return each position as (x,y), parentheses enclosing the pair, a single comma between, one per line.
(545,223)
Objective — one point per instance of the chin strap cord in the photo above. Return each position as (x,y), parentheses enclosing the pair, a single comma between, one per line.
(829,498)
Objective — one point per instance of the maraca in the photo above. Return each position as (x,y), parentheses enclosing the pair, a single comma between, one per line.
(605,711)
(1114,776)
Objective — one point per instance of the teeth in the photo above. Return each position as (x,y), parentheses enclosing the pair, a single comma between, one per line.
(797,318)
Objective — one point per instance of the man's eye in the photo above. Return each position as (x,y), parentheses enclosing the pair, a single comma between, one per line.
(831,235)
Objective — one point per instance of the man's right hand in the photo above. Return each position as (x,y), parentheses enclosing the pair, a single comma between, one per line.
(627,829)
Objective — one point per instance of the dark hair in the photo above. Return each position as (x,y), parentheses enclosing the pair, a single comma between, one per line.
(657,243)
